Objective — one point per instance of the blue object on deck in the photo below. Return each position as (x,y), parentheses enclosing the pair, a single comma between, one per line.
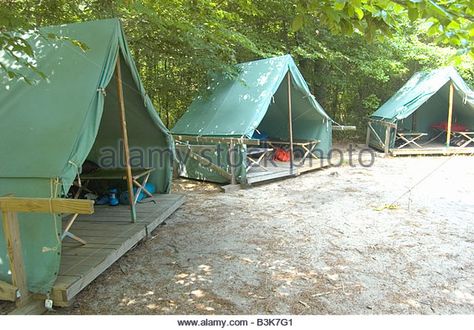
(113,200)
(102,200)
(124,195)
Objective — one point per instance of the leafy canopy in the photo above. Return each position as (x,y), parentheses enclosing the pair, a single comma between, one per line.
(353,53)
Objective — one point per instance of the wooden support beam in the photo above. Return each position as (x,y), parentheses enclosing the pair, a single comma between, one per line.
(383,122)
(450,114)
(11,231)
(211,139)
(387,140)
(123,122)
(33,307)
(382,143)
(290,122)
(367,138)
(10,207)
(46,205)
(232,163)
(207,163)
(413,122)
(344,128)
(8,292)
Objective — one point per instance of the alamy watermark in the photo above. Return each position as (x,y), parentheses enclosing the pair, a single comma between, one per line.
(219,155)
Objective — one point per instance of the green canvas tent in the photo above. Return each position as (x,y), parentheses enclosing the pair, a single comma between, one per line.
(418,106)
(50,127)
(255,100)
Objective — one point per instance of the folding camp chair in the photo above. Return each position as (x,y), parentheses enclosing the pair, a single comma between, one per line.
(107,174)
(409,138)
(261,153)
(142,174)
(468,137)
(308,147)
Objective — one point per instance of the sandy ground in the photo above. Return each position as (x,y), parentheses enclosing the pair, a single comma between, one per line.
(397,237)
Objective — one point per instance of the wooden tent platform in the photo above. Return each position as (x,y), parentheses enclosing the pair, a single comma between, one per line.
(109,234)
(282,170)
(431,149)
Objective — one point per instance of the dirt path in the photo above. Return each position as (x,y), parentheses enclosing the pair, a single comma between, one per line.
(392,238)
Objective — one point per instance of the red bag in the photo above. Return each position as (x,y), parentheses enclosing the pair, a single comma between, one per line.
(281,155)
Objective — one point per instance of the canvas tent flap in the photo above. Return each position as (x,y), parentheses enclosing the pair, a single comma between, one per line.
(419,89)
(236,106)
(49,128)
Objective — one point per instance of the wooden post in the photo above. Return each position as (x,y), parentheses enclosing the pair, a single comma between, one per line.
(387,140)
(8,292)
(11,230)
(10,206)
(123,122)
(367,139)
(450,114)
(232,162)
(413,122)
(290,122)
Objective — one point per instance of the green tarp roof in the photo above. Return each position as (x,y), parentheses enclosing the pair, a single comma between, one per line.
(419,89)
(48,129)
(236,106)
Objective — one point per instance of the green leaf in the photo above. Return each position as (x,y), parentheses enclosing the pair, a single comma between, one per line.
(413,13)
(83,46)
(297,23)
(339,5)
(359,12)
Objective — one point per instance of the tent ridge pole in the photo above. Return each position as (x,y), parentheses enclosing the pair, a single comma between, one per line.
(123,122)
(290,123)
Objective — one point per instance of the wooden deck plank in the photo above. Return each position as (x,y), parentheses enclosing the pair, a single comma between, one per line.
(100,226)
(107,241)
(316,165)
(72,266)
(95,246)
(143,218)
(91,273)
(432,151)
(104,240)
(33,307)
(86,232)
(267,176)
(81,268)
(81,252)
(282,170)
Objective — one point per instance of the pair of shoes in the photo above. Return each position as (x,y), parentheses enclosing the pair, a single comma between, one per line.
(104,200)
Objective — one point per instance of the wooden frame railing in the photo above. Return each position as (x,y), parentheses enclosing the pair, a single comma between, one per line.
(388,127)
(232,142)
(17,291)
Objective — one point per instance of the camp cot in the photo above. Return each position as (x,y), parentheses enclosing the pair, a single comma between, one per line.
(89,103)
(433,113)
(248,112)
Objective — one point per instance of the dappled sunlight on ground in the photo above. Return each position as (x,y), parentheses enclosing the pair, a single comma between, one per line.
(386,239)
